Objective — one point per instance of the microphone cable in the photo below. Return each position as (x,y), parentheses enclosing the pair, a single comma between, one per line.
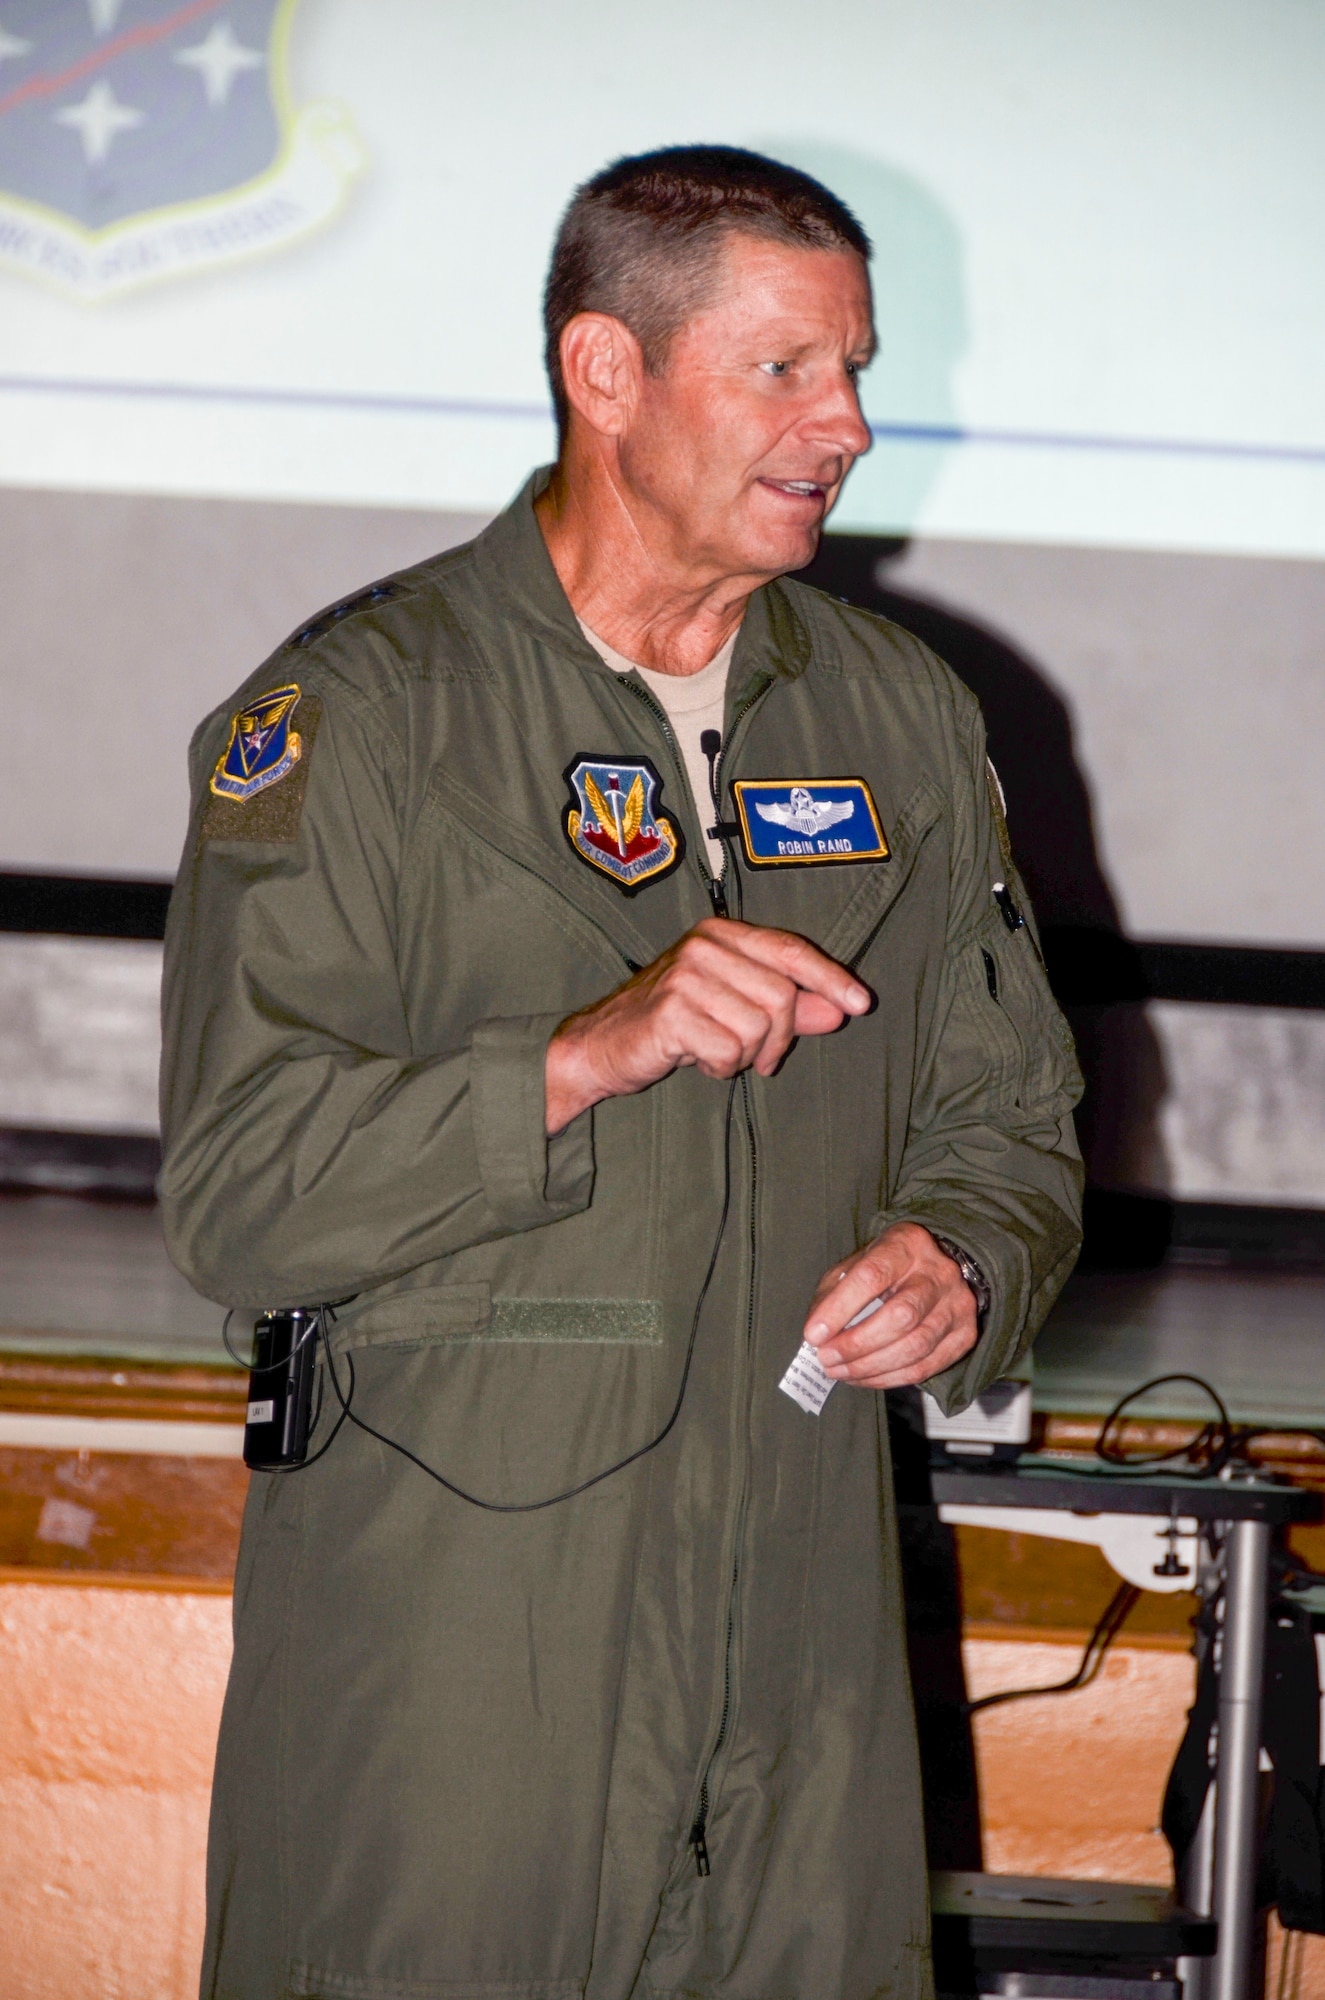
(348,1414)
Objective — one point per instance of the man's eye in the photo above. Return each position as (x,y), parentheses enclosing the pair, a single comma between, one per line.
(777,367)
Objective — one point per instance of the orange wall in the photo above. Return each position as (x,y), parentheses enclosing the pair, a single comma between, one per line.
(107,1733)
(108,1725)
(1072,1784)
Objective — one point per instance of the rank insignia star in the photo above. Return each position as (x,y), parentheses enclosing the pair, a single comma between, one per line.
(615,823)
(263,747)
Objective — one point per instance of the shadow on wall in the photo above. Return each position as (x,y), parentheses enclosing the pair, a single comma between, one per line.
(1094,969)
(909,395)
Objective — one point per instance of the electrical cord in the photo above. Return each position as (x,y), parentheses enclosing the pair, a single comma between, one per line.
(268,1367)
(1217,1442)
(1212,1447)
(595,1479)
(1114,1616)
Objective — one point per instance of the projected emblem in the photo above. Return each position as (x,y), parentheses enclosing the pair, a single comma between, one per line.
(786,822)
(262,748)
(143,138)
(615,822)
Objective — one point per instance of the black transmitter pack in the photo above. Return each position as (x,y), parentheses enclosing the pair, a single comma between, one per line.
(280,1390)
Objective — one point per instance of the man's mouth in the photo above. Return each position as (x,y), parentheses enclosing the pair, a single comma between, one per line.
(803,489)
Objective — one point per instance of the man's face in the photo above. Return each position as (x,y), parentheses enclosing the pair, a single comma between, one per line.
(739,448)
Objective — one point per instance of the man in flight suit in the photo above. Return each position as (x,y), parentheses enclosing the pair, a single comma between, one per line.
(596,968)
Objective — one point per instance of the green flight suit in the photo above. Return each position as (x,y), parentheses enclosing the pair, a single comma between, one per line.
(463,1751)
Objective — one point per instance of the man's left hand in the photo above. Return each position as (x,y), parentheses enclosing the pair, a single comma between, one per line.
(926,1322)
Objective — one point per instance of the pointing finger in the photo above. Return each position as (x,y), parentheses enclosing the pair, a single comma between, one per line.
(797,959)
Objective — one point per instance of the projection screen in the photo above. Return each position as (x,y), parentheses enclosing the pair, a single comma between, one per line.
(287,254)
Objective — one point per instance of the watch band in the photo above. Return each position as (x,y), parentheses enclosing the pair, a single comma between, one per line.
(971,1273)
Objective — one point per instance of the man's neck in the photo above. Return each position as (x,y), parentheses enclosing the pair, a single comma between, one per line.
(625,582)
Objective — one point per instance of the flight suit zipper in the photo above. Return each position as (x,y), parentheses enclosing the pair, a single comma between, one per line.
(715,886)
(660,716)
(699,1831)
(763,682)
(717,889)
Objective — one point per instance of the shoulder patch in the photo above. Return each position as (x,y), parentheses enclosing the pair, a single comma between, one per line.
(376,593)
(257,789)
(999,807)
(264,746)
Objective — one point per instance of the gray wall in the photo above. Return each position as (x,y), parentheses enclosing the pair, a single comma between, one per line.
(1194,685)
(1190,690)
(126,620)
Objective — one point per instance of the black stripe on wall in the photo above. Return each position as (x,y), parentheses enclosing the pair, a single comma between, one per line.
(1098,968)
(1088,968)
(83,906)
(1234,975)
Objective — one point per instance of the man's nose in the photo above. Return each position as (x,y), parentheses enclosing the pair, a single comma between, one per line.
(837,419)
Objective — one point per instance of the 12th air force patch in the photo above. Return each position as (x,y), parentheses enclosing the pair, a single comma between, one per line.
(614,820)
(263,746)
(789,821)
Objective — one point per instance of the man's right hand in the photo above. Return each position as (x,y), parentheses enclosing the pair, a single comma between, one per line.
(726,997)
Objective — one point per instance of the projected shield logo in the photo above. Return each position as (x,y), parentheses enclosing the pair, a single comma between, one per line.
(144,138)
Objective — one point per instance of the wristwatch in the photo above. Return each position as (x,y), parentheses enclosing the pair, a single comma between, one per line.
(972,1274)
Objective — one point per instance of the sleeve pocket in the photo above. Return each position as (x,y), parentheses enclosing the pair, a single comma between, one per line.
(1005,997)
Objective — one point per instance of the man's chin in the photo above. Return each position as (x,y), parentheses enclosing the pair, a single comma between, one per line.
(791,549)
(775,547)
(808,551)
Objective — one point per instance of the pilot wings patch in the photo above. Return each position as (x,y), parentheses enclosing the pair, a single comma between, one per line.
(787,822)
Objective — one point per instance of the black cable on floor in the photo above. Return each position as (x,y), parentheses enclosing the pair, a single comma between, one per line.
(1114,1617)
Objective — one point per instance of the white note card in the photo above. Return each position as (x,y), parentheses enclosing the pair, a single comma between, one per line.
(805,1381)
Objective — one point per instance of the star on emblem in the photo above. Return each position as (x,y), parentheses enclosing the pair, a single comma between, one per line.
(99,120)
(219,60)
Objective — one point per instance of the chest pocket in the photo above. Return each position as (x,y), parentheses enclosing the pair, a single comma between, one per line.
(843,911)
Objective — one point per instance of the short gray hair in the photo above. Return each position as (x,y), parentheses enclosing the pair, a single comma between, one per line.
(642,239)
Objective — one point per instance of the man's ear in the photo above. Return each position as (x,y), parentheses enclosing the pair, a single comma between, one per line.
(602,366)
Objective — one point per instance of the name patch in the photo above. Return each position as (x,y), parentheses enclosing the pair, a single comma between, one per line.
(615,821)
(787,822)
(263,747)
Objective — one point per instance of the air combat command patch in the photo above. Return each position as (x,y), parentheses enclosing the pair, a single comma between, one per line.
(263,746)
(615,823)
(789,821)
